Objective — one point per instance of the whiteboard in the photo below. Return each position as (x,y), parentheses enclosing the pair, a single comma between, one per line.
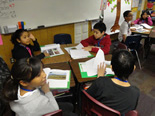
(47,12)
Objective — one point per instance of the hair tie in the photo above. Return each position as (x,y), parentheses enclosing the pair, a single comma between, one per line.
(28,60)
(11,77)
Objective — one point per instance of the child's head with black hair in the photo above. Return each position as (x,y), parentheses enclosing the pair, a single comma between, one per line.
(99,30)
(122,64)
(144,16)
(20,36)
(128,16)
(27,73)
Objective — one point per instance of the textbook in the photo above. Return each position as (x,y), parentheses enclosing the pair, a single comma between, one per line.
(52,49)
(58,79)
(89,68)
(77,52)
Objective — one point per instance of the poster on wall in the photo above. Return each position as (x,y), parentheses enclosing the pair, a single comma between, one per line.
(113,15)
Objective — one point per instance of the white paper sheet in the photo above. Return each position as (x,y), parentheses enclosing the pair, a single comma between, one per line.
(78,47)
(91,65)
(81,53)
(146,26)
(52,49)
(57,83)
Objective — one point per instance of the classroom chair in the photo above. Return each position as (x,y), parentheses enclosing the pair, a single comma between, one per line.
(62,39)
(55,113)
(91,106)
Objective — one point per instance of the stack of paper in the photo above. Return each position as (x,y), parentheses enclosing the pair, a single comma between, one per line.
(58,79)
(146,26)
(90,66)
(52,49)
(77,52)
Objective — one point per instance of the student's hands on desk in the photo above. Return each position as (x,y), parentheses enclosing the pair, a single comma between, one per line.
(88,48)
(101,69)
(46,54)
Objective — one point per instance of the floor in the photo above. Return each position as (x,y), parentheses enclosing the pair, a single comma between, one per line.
(144,79)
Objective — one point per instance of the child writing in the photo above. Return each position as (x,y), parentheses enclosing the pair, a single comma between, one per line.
(145,18)
(99,40)
(125,26)
(22,47)
(23,93)
(116,92)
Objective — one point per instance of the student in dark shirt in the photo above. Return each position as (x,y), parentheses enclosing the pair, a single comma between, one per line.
(22,47)
(116,92)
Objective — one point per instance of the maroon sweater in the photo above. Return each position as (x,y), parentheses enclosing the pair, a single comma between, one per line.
(103,43)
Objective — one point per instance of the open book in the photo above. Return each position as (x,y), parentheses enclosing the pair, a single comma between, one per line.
(52,49)
(77,52)
(89,68)
(58,79)
(139,28)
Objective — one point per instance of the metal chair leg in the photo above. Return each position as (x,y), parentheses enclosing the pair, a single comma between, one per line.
(138,59)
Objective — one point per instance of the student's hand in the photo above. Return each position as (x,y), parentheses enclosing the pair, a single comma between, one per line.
(133,29)
(46,54)
(88,48)
(132,23)
(31,36)
(45,88)
(101,69)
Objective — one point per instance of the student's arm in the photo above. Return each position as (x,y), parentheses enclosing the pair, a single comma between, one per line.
(36,46)
(106,46)
(136,21)
(124,37)
(40,56)
(150,21)
(88,41)
(124,31)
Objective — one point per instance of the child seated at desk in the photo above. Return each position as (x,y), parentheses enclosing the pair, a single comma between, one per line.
(99,39)
(116,92)
(125,26)
(23,92)
(145,18)
(22,47)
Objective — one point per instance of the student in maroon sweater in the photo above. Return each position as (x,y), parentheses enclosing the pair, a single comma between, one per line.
(99,40)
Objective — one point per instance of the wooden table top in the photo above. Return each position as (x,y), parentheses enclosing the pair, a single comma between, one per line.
(76,70)
(56,59)
(63,66)
(143,33)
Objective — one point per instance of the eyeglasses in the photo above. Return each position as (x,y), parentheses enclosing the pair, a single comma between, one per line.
(130,15)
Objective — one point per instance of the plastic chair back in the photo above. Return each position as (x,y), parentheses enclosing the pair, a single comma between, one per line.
(62,39)
(91,107)
(55,113)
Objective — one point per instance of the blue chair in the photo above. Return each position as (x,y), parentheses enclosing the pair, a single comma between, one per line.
(62,39)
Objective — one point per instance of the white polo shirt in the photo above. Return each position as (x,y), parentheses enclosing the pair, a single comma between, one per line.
(124,30)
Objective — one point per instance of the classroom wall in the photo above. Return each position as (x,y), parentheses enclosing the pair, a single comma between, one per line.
(44,36)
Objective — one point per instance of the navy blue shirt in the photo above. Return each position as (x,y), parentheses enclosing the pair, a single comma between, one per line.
(122,99)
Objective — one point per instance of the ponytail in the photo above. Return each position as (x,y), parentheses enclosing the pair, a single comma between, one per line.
(10,89)
(22,70)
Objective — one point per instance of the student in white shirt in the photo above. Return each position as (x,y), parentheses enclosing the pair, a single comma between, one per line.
(125,26)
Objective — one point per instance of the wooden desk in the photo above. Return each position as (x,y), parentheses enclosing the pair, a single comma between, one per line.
(76,70)
(143,33)
(63,66)
(56,59)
